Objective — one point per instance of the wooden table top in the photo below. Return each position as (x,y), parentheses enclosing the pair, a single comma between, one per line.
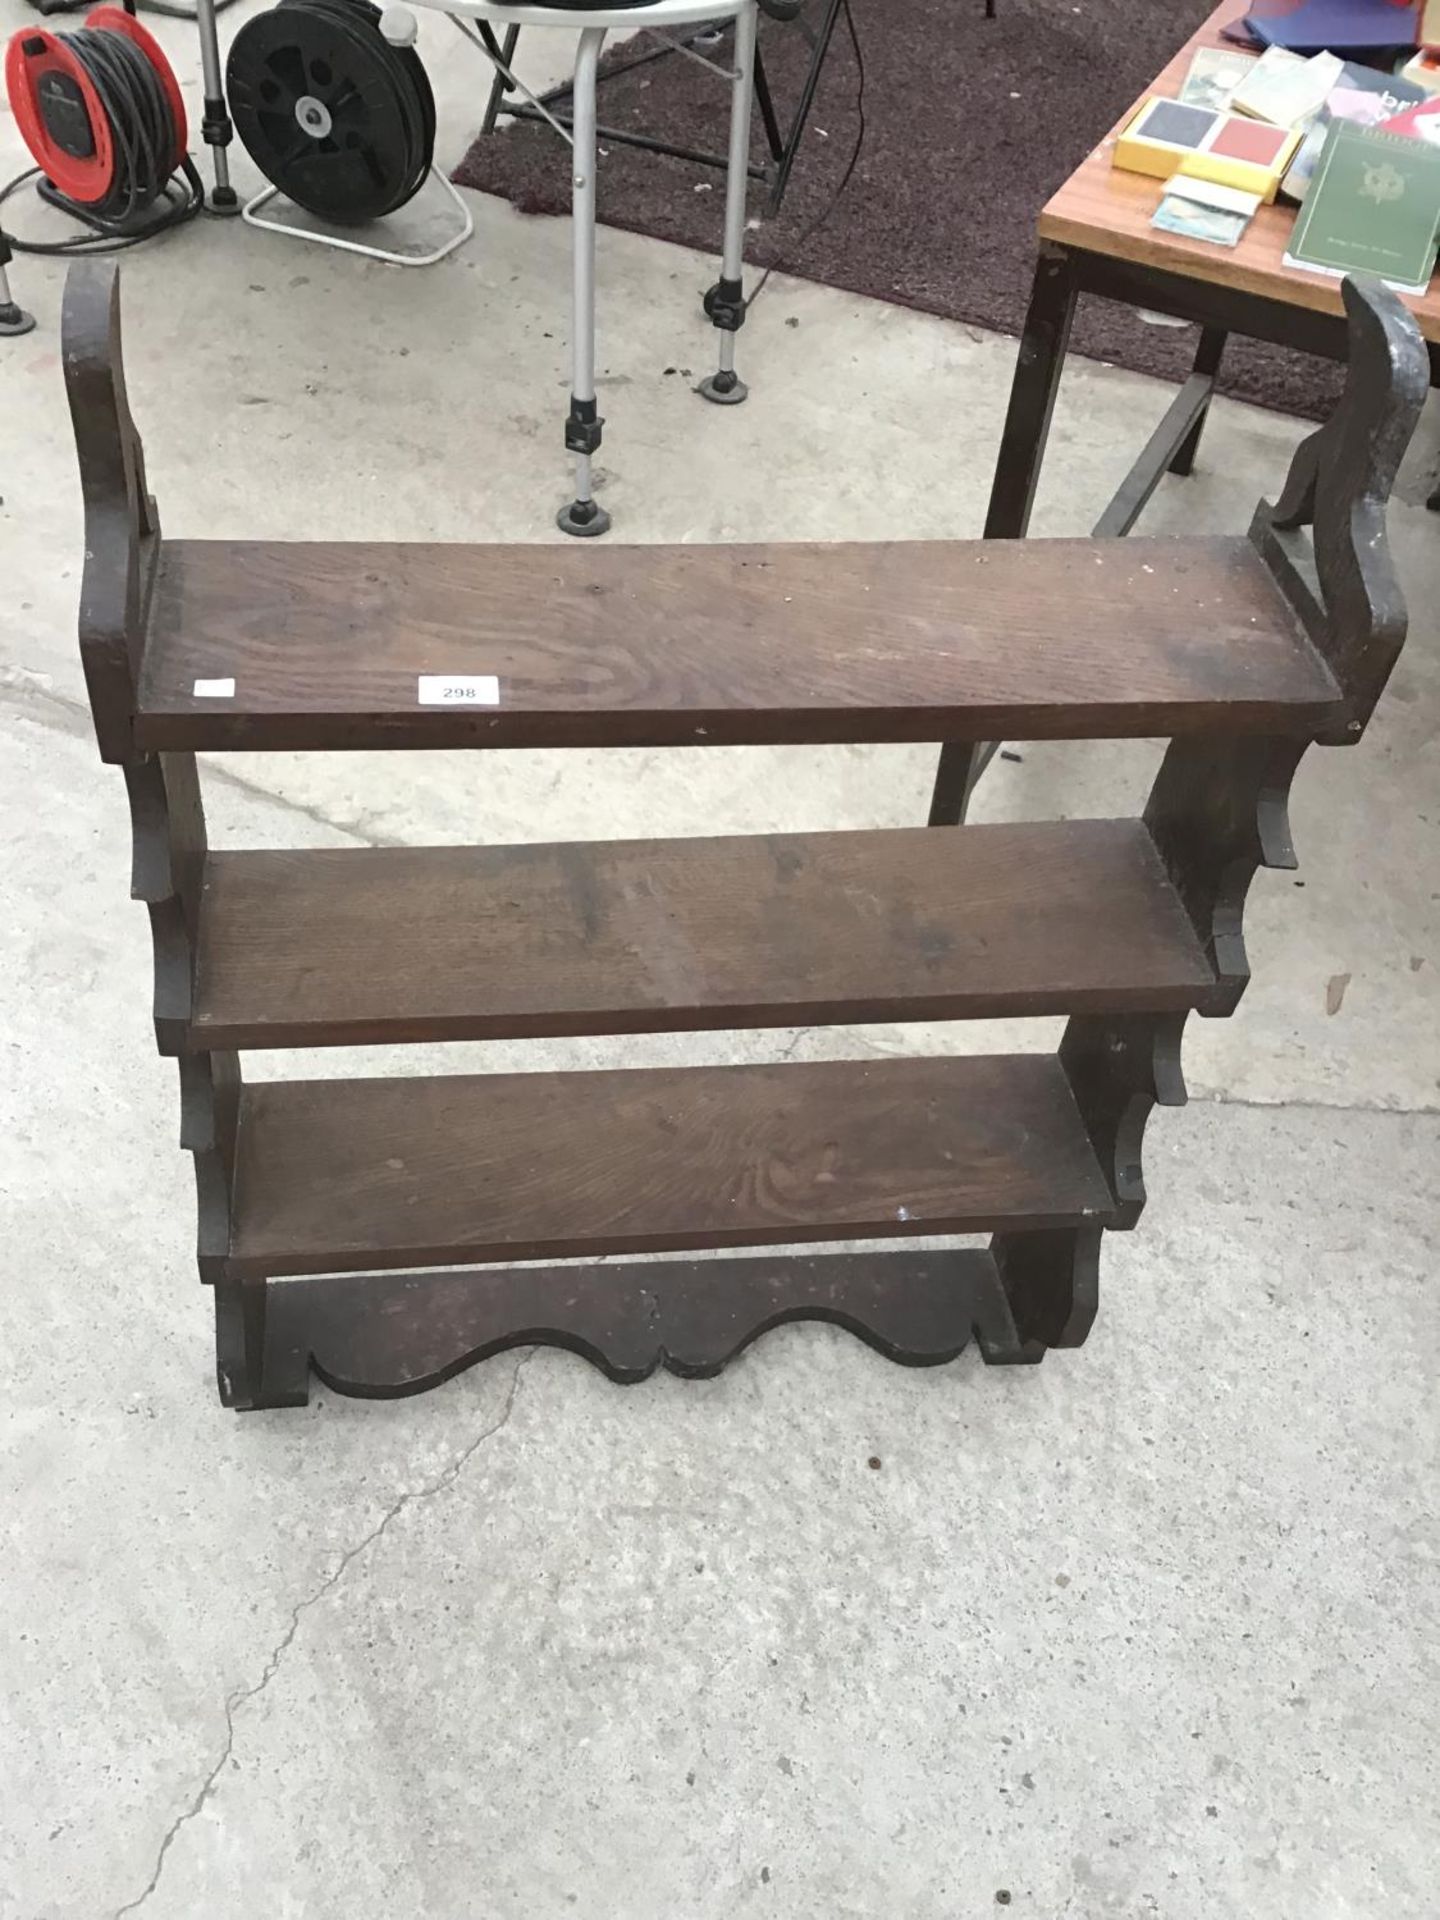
(1105,210)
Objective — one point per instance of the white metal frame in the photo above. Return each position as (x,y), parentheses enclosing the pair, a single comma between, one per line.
(392,256)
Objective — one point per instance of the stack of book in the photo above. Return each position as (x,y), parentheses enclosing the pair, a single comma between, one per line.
(1363,95)
(1175,137)
(1367,28)
(1331,103)
(1372,204)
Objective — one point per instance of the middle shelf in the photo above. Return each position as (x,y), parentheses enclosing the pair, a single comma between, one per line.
(396,945)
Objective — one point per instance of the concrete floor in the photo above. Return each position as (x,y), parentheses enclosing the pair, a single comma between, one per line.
(1150,1631)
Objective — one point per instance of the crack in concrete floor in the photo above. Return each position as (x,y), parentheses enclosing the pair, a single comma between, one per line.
(46,708)
(234,1701)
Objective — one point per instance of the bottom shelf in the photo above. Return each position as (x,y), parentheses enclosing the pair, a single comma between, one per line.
(351,1176)
(381,1336)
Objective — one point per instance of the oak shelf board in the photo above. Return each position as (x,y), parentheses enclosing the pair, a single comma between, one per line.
(337,1176)
(684,646)
(362,946)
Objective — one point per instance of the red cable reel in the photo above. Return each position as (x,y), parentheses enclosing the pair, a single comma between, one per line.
(59,111)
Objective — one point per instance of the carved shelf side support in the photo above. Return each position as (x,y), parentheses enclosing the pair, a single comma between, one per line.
(210,1094)
(167,817)
(167,873)
(1344,585)
(1051,1283)
(1118,1067)
(209,1122)
(168,845)
(1218,812)
(122,530)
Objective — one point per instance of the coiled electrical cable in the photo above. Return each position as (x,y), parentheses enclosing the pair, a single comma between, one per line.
(100,109)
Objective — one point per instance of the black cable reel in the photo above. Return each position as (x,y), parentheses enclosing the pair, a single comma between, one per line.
(335,117)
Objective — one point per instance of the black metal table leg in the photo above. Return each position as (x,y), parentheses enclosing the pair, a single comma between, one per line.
(961,764)
(1032,396)
(499,85)
(1183,417)
(1207,364)
(1017,472)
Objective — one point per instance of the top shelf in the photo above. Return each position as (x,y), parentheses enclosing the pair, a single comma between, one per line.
(326,644)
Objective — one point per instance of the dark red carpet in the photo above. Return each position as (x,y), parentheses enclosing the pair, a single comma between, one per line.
(972,125)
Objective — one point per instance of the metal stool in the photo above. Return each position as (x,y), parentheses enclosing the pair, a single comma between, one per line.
(782,143)
(725,304)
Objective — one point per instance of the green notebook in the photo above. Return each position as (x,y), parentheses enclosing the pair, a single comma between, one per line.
(1372,207)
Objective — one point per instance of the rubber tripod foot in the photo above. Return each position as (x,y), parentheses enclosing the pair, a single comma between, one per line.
(223,200)
(725,389)
(583,518)
(15,320)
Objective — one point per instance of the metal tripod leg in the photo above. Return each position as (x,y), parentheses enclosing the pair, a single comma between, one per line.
(215,125)
(819,51)
(725,303)
(583,426)
(13,317)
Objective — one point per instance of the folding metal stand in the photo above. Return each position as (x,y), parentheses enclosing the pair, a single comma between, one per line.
(425,256)
(782,144)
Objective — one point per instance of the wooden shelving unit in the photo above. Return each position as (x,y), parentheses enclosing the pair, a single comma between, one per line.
(408,1201)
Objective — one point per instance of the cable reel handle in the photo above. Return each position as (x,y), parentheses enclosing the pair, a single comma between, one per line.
(398,25)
